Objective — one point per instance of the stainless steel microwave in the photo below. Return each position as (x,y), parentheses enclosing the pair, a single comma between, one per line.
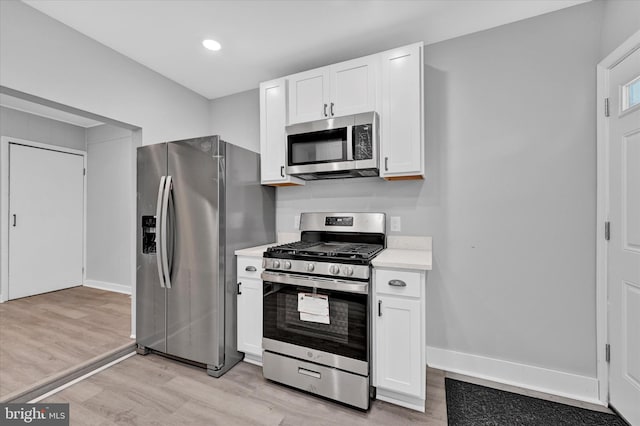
(334,148)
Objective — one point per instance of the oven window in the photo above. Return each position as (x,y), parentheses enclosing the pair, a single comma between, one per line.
(318,147)
(346,333)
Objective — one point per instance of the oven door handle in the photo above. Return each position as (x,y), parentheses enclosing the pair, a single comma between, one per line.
(323,283)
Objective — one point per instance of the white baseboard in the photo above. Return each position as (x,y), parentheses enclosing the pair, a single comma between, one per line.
(253,359)
(554,382)
(402,400)
(102,285)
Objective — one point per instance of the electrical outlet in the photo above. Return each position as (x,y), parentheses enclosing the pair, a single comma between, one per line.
(296,221)
(396,224)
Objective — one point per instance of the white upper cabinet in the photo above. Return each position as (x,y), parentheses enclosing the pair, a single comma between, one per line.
(353,86)
(390,83)
(402,116)
(273,119)
(309,95)
(341,89)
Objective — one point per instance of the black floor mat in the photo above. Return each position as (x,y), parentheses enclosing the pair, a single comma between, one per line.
(470,404)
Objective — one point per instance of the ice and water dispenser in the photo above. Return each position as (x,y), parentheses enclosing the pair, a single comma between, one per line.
(148,234)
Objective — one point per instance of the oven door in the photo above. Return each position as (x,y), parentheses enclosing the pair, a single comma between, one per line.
(341,340)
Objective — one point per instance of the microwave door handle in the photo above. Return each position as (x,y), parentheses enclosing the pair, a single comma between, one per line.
(350,143)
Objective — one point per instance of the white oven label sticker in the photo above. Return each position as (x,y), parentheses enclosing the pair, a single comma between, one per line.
(313,307)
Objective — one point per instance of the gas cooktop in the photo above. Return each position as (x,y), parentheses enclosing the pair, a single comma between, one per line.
(329,249)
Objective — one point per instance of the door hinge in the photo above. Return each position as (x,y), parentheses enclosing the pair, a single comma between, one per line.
(606,107)
(607,352)
(84,172)
(607,231)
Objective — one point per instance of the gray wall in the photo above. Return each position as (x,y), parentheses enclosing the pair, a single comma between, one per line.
(510,191)
(34,128)
(110,163)
(621,20)
(43,57)
(237,119)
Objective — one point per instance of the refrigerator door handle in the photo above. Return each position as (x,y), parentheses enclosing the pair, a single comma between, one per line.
(163,236)
(159,231)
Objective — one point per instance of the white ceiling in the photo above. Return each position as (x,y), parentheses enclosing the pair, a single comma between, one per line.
(45,111)
(265,39)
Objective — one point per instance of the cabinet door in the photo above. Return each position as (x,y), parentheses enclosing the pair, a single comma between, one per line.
(397,347)
(250,316)
(353,86)
(273,119)
(401,121)
(309,95)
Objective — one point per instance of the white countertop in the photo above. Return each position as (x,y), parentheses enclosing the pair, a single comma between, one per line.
(406,252)
(254,251)
(401,252)
(403,259)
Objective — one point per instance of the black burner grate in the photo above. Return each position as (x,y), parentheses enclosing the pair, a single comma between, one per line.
(328,249)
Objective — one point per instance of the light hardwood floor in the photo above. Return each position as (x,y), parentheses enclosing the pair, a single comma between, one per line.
(46,334)
(146,390)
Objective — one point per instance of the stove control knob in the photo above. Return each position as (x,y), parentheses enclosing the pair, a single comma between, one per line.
(276,263)
(310,267)
(334,269)
(287,264)
(348,271)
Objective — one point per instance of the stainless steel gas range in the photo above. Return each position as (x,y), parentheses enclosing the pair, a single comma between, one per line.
(316,318)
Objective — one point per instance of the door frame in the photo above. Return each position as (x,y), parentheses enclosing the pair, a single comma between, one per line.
(4,206)
(602,209)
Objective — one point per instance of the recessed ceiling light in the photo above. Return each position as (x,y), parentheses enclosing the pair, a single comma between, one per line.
(211,44)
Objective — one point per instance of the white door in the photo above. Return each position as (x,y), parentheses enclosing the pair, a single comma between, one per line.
(398,345)
(250,316)
(402,112)
(273,119)
(623,278)
(353,86)
(308,96)
(46,214)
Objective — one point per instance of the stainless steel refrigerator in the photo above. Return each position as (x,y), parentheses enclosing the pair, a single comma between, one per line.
(198,201)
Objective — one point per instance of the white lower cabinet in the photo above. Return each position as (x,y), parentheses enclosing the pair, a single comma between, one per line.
(399,337)
(250,308)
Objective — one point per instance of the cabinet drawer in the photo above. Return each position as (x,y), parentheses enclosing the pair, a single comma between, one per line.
(249,267)
(403,283)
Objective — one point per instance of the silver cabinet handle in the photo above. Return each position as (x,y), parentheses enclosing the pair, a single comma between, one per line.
(386,164)
(331,109)
(163,226)
(159,231)
(325,110)
(239,292)
(397,283)
(379,308)
(250,269)
(282,171)
(14,220)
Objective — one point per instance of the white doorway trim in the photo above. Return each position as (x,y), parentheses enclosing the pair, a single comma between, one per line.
(602,209)
(4,206)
